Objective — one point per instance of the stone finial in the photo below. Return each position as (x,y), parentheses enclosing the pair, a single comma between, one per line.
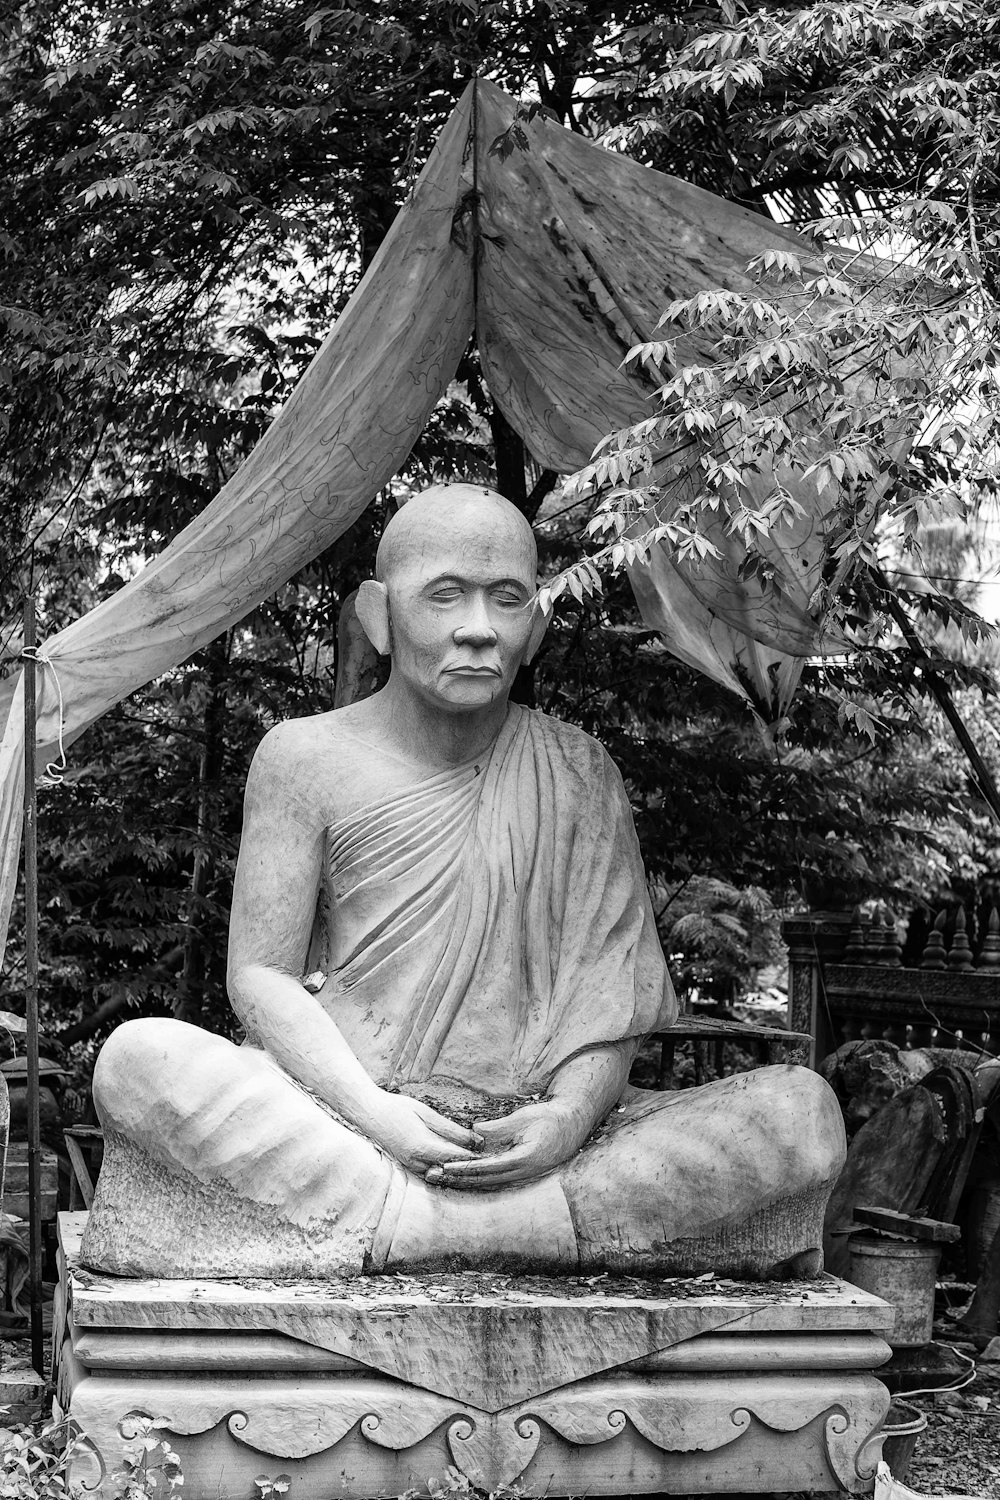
(989,953)
(934,956)
(890,950)
(856,950)
(960,954)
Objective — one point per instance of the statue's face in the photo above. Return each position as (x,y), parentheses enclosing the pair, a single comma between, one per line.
(460,611)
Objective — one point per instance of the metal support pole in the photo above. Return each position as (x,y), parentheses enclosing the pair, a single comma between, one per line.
(31,992)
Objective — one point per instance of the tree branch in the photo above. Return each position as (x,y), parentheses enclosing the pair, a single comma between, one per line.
(981,773)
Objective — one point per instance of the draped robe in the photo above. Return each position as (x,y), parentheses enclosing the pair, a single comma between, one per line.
(492,921)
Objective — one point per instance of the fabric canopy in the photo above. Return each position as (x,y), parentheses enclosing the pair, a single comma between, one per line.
(561,257)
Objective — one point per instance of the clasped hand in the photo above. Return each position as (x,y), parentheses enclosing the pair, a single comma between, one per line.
(525,1144)
(418,1136)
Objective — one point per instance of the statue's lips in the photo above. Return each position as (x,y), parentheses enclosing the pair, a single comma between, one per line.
(472,672)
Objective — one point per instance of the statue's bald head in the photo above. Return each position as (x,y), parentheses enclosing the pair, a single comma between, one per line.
(450,516)
(455,585)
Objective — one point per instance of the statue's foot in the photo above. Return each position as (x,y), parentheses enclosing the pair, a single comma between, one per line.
(523,1228)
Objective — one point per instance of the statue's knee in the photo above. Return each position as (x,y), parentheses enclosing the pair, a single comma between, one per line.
(812,1114)
(818,1096)
(135,1061)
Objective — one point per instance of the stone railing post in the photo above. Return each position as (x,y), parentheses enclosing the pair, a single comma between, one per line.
(814,938)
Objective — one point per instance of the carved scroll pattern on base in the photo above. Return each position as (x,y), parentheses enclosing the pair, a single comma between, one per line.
(493,1450)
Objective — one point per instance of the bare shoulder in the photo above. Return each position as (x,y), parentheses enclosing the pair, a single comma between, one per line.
(291,745)
(322,767)
(300,763)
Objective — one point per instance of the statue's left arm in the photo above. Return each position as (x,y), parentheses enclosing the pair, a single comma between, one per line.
(540,1136)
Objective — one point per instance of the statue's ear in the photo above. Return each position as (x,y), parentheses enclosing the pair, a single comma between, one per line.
(372,608)
(539,625)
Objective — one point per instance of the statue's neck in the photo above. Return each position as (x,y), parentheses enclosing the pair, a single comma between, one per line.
(420,732)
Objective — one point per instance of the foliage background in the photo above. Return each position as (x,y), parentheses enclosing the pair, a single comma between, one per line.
(193,189)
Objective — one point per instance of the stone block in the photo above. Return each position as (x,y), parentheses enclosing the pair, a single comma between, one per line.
(21,1388)
(16,1202)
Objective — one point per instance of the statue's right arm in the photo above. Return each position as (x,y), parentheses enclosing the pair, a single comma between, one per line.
(274,902)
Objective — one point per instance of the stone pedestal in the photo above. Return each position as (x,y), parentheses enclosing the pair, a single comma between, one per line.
(373,1386)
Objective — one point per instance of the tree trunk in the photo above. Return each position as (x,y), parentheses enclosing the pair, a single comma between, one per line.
(508,452)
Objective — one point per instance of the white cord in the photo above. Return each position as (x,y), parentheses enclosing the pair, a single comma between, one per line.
(54,771)
(958,1384)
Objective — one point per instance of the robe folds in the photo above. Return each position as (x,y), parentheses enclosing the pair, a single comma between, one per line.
(492,921)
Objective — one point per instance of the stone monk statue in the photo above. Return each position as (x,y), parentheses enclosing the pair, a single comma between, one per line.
(444,959)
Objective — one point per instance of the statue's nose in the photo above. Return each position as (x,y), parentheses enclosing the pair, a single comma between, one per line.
(476,629)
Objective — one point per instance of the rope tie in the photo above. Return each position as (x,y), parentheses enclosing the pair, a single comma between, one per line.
(54,771)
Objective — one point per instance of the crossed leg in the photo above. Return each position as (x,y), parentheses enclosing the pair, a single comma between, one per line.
(218,1164)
